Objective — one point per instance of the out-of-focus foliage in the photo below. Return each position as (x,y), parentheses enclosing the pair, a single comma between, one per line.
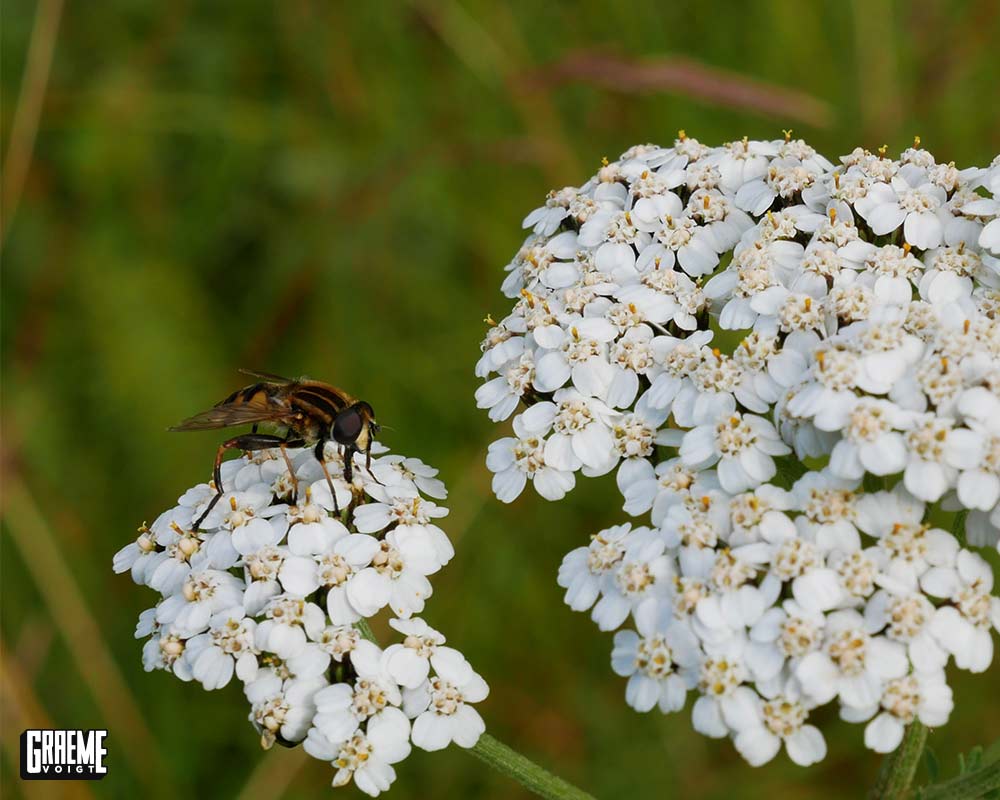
(332,189)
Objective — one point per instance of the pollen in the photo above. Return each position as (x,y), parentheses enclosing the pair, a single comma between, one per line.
(232,503)
(705,202)
(682,134)
(604,161)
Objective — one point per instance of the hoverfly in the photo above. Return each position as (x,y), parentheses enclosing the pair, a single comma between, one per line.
(309,413)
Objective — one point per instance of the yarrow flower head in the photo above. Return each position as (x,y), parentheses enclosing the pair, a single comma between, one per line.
(792,365)
(275,590)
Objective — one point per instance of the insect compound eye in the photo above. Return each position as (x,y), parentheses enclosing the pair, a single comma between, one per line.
(347,426)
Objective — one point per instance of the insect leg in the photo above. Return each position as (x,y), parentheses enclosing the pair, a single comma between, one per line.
(217,479)
(348,453)
(320,452)
(291,472)
(368,463)
(248,441)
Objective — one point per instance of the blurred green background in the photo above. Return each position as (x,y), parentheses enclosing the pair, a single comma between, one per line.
(333,189)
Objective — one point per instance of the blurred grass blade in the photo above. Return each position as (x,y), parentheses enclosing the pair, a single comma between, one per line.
(684,76)
(274,773)
(20,710)
(496,53)
(70,613)
(466,38)
(879,91)
(24,127)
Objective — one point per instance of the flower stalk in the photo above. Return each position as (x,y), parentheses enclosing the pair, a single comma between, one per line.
(526,772)
(900,766)
(974,784)
(508,761)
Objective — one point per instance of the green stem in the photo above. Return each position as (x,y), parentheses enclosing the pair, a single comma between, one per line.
(526,772)
(366,630)
(900,766)
(509,762)
(966,787)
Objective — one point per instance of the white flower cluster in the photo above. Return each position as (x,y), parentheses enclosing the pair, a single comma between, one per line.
(274,591)
(794,367)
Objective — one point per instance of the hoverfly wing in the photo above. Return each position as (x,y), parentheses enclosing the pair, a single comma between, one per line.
(267,376)
(231,414)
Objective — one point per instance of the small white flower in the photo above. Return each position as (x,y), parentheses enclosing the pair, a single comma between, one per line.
(911,201)
(442,709)
(783,633)
(203,594)
(516,460)
(907,618)
(342,708)
(582,570)
(367,757)
(288,621)
(781,720)
(580,431)
(871,441)
(920,695)
(659,660)
(397,575)
(394,469)
(645,571)
(282,708)
(226,648)
(409,663)
(742,446)
(165,650)
(726,704)
(964,626)
(852,665)
(334,571)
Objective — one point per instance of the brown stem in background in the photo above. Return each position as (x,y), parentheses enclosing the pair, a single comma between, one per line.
(682,76)
(34,82)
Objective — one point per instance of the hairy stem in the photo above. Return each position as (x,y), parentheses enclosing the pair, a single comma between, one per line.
(505,760)
(900,766)
(526,772)
(965,787)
